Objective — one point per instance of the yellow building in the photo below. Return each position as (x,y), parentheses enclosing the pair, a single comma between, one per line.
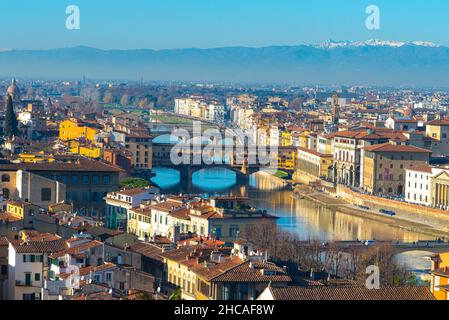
(35,157)
(286,139)
(139,222)
(287,158)
(141,147)
(304,139)
(384,165)
(89,151)
(312,165)
(21,209)
(75,129)
(180,271)
(439,283)
(439,130)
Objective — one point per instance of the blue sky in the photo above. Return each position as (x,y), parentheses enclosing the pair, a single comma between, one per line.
(158,24)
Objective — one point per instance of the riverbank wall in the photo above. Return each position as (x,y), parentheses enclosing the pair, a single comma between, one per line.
(360,199)
(344,199)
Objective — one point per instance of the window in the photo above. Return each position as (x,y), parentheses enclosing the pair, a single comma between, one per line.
(29,296)
(95,179)
(37,277)
(75,179)
(5,193)
(5,178)
(45,194)
(109,276)
(85,179)
(106,179)
(4,269)
(233,231)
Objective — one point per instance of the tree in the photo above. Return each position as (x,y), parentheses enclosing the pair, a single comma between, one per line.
(176,295)
(134,183)
(11,123)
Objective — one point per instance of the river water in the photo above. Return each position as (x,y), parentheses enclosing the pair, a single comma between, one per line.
(302,217)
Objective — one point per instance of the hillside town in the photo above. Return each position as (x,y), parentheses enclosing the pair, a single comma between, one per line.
(84,218)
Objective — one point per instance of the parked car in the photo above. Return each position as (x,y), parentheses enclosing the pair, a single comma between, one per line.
(387,212)
(369,242)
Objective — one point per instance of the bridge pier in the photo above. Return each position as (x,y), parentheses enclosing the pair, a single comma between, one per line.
(185,177)
(242,178)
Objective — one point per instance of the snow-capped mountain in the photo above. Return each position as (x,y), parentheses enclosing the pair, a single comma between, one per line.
(365,62)
(331,44)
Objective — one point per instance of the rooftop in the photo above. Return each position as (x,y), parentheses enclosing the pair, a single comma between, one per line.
(388,147)
(351,293)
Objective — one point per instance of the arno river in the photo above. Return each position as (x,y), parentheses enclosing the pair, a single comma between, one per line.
(307,219)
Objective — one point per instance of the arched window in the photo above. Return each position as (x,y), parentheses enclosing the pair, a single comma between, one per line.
(6,178)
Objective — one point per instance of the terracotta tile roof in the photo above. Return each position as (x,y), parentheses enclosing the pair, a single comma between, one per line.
(166,206)
(182,213)
(132,192)
(147,250)
(423,168)
(5,216)
(78,248)
(3,241)
(40,246)
(315,153)
(143,211)
(213,269)
(253,272)
(388,147)
(197,240)
(351,293)
(442,122)
(402,120)
(194,257)
(351,134)
(87,270)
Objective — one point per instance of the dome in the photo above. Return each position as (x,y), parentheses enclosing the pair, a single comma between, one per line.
(13,90)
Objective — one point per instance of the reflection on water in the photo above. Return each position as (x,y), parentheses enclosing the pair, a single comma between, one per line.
(303,217)
(416,260)
(216,180)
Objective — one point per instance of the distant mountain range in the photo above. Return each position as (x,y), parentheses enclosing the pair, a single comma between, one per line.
(372,62)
